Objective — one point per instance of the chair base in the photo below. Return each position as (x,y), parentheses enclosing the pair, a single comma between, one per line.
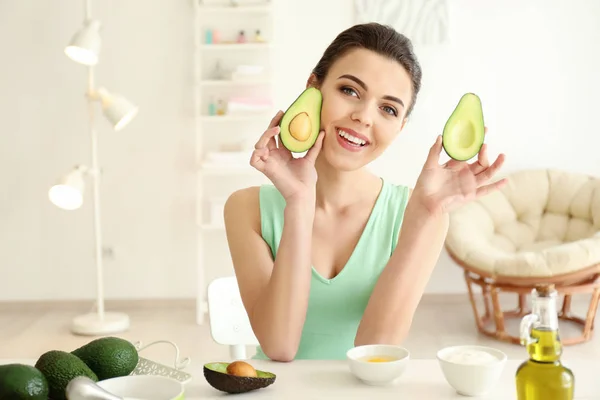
(491,289)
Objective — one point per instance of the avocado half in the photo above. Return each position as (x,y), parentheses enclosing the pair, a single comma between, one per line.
(301,122)
(464,131)
(216,375)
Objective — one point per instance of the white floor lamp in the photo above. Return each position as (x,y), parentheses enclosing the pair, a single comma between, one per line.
(68,192)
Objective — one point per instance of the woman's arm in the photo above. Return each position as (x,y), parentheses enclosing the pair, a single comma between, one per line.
(389,313)
(274,293)
(439,189)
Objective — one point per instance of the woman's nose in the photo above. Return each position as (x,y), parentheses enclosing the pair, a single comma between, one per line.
(362,115)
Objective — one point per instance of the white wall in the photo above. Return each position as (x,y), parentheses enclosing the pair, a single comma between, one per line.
(532,64)
(148,182)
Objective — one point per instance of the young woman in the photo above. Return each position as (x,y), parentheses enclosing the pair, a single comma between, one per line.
(320,259)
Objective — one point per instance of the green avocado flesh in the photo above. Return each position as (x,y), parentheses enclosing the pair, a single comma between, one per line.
(216,375)
(464,131)
(301,123)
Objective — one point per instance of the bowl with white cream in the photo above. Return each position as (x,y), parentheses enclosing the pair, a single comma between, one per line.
(470,369)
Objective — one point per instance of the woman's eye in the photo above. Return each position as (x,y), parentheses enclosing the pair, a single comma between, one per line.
(349,91)
(390,110)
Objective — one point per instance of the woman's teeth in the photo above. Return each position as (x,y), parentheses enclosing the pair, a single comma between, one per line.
(352,139)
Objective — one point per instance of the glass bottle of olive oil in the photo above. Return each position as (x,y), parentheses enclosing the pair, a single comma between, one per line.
(542,376)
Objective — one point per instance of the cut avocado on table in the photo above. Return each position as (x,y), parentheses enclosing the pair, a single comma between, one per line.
(236,377)
(22,382)
(109,357)
(59,368)
(301,123)
(464,131)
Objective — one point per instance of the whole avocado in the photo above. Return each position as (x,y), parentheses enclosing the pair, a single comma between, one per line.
(109,357)
(59,368)
(22,382)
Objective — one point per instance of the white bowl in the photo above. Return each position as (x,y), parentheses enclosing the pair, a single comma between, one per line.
(471,370)
(147,387)
(377,373)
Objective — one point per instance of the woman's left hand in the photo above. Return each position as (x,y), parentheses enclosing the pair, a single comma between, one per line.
(442,188)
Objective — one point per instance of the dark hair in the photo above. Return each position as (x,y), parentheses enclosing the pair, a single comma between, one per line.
(379,38)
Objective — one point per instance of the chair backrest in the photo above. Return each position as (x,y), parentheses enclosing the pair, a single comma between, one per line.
(229,323)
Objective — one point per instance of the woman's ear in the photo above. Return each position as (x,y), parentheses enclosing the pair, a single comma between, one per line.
(312,81)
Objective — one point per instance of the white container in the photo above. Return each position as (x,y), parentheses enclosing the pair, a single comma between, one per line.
(147,387)
(471,370)
(378,373)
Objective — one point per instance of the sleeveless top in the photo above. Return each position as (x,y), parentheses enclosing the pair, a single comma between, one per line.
(336,305)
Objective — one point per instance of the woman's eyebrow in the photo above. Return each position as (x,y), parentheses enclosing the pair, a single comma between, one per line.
(364,86)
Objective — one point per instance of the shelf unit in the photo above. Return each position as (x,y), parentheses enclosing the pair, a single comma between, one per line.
(240,75)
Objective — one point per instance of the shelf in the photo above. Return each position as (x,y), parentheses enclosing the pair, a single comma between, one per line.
(240,82)
(236,46)
(250,70)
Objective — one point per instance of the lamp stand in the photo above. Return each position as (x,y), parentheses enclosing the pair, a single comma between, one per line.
(100,322)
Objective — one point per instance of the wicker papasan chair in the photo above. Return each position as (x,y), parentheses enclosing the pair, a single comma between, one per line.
(543,227)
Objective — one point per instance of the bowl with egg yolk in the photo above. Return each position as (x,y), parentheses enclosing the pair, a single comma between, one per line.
(378,364)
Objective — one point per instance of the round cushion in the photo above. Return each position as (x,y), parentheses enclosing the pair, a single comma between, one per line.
(541,224)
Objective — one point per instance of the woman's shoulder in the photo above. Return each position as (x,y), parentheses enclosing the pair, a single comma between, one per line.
(242,197)
(254,200)
(397,200)
(242,206)
(399,191)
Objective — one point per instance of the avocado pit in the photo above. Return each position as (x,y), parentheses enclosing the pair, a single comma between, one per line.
(241,368)
(300,127)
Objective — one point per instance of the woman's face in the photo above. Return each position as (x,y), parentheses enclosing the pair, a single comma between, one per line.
(365,98)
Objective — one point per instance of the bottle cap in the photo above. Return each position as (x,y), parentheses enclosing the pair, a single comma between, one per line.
(545,289)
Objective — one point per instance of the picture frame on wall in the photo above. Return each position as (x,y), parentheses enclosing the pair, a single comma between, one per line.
(422,21)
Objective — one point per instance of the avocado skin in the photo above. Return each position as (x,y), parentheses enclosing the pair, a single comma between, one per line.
(309,101)
(235,384)
(59,368)
(469,108)
(22,382)
(109,357)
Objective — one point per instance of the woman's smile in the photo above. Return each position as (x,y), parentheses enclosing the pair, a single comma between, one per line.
(351,140)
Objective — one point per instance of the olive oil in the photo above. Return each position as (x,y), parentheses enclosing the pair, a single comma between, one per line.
(542,376)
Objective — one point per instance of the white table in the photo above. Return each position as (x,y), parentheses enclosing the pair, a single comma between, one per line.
(423,379)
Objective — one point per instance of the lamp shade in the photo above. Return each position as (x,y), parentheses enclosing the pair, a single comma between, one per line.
(85,44)
(68,191)
(118,110)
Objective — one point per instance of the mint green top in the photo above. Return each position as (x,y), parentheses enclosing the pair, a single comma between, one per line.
(336,305)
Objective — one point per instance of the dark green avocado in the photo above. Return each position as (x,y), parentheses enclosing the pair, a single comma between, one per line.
(216,375)
(109,357)
(22,382)
(59,368)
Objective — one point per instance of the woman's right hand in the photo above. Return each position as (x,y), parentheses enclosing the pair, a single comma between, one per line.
(293,177)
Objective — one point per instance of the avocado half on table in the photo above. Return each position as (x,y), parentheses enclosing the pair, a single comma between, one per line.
(464,131)
(236,377)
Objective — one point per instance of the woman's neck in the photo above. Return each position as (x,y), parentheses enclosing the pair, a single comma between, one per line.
(337,190)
